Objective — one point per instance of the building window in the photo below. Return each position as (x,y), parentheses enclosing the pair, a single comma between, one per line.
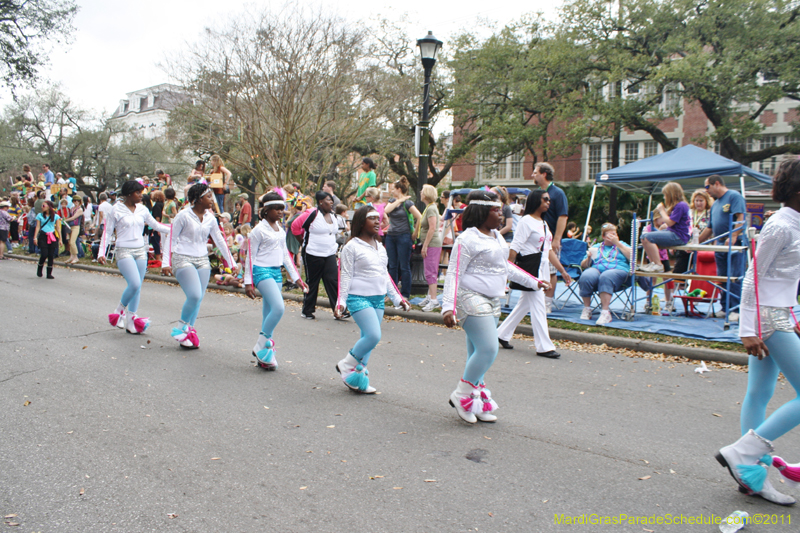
(631,152)
(515,166)
(595,159)
(125,107)
(609,155)
(143,103)
(650,148)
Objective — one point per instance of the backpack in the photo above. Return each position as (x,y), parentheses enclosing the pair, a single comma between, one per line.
(307,226)
(410,217)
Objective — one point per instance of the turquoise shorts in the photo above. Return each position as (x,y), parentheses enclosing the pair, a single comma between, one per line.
(357,303)
(262,273)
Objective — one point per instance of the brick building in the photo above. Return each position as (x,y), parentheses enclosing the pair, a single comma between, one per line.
(689,127)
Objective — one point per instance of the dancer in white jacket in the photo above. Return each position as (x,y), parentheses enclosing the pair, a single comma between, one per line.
(475,282)
(266,253)
(768,329)
(187,254)
(127,219)
(364,285)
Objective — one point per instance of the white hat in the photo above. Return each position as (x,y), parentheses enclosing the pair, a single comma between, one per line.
(5,204)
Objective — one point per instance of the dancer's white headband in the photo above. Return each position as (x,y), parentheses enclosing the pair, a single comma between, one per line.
(374,214)
(275,202)
(485,202)
(208,191)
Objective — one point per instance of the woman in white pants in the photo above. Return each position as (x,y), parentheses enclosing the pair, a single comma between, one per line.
(531,250)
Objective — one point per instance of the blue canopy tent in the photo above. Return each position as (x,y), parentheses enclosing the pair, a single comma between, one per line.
(689,164)
(511,190)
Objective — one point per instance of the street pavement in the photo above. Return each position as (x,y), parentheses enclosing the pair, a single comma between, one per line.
(106,431)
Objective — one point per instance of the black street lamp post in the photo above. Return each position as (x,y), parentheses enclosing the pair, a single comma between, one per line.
(429,46)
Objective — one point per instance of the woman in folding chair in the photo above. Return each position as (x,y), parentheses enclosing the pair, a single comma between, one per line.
(606,270)
(531,250)
(769,330)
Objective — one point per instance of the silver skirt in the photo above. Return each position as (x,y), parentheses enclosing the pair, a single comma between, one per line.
(180,261)
(136,253)
(471,303)
(775,319)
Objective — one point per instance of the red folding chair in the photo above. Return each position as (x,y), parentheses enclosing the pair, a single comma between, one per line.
(706,266)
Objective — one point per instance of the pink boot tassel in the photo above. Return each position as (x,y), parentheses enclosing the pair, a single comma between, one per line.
(191,336)
(141,324)
(489,405)
(790,472)
(114,319)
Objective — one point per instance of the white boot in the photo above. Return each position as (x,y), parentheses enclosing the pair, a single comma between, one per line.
(354,375)
(745,460)
(117,318)
(488,405)
(135,324)
(266,354)
(769,493)
(186,336)
(466,400)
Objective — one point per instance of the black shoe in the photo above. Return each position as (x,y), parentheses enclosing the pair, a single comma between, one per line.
(39,270)
(505,344)
(308,317)
(552,354)
(344,316)
(50,273)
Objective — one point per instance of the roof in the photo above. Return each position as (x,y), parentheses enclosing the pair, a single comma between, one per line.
(689,164)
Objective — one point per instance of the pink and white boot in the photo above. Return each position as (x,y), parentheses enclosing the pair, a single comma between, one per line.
(186,337)
(135,324)
(117,318)
(467,401)
(487,404)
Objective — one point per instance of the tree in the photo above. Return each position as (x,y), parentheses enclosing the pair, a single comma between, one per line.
(47,127)
(284,96)
(26,26)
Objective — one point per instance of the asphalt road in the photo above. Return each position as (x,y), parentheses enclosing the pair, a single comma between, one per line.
(105,431)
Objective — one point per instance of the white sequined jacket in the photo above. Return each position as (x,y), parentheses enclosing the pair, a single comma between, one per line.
(778,261)
(363,272)
(482,265)
(267,248)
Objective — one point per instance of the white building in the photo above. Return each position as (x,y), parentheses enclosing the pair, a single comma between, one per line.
(146,111)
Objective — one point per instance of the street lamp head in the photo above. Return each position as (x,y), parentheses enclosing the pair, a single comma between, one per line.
(428,47)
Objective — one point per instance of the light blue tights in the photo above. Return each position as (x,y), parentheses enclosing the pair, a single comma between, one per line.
(369,321)
(481,346)
(194,283)
(784,356)
(133,271)
(272,306)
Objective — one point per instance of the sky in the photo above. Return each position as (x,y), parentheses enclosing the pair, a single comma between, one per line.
(117,46)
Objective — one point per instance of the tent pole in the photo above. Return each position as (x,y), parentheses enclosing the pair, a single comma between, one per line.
(589,214)
(647,215)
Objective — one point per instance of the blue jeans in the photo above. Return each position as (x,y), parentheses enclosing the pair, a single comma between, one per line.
(610,281)
(220,201)
(761,379)
(663,238)
(737,270)
(398,250)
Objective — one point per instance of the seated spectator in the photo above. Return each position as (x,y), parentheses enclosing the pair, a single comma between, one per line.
(673,223)
(573,232)
(226,278)
(606,270)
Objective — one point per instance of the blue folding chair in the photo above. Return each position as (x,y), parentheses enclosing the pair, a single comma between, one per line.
(573,251)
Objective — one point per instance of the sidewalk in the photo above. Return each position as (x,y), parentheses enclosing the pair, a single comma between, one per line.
(676,350)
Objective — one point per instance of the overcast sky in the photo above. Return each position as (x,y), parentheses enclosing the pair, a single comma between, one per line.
(117,46)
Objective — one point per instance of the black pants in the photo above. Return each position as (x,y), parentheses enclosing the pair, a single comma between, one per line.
(14,231)
(47,250)
(320,268)
(155,241)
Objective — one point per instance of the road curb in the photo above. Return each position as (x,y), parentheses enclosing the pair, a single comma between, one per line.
(689,352)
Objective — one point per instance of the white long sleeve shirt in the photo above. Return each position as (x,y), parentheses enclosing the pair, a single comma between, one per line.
(266,247)
(363,272)
(533,236)
(480,263)
(778,262)
(189,236)
(129,227)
